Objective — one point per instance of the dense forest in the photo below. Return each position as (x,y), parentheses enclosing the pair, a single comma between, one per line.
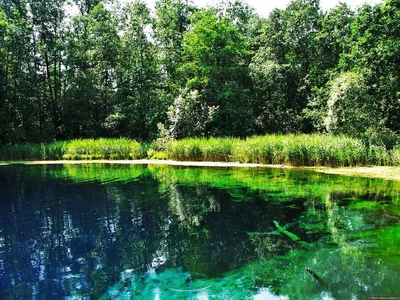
(114,69)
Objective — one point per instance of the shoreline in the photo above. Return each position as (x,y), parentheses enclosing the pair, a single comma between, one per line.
(381,172)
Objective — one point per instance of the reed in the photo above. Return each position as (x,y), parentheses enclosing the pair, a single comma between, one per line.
(202,149)
(84,149)
(295,150)
(89,149)
(49,151)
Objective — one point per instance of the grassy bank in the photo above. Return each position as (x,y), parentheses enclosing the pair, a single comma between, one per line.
(86,149)
(295,150)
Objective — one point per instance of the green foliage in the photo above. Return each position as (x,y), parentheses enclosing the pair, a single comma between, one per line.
(297,150)
(396,156)
(93,47)
(163,138)
(344,106)
(348,108)
(103,149)
(76,149)
(189,115)
(215,59)
(116,70)
(173,20)
(309,150)
(140,106)
(212,149)
(271,106)
(282,68)
(373,52)
(51,151)
(332,40)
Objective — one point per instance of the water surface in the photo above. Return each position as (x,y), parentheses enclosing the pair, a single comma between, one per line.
(156,232)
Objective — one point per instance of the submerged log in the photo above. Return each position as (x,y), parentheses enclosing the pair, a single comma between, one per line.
(290,235)
(316,277)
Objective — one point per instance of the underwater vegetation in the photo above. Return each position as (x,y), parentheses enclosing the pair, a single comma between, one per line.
(157,232)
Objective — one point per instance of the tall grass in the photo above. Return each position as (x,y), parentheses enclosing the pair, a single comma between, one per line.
(50,151)
(202,149)
(121,148)
(296,150)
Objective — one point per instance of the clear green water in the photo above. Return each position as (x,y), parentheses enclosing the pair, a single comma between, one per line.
(157,232)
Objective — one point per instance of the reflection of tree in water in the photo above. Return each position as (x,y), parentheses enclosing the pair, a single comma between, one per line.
(90,232)
(204,249)
(84,235)
(218,227)
(191,210)
(349,263)
(357,253)
(59,238)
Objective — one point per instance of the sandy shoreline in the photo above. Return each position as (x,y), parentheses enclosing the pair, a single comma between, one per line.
(389,173)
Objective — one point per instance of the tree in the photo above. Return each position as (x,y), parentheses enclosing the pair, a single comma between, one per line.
(106,44)
(241,15)
(93,52)
(138,108)
(349,108)
(80,94)
(333,39)
(32,79)
(282,67)
(172,21)
(198,72)
(271,93)
(190,115)
(215,64)
(374,48)
(86,6)
(47,20)
(5,29)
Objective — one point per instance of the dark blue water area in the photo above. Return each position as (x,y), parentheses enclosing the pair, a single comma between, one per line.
(70,233)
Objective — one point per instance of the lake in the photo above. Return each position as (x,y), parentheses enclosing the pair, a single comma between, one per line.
(97,231)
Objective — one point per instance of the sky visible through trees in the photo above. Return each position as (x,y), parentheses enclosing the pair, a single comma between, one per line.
(263,8)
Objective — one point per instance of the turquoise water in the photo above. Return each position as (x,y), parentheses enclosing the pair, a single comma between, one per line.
(155,232)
